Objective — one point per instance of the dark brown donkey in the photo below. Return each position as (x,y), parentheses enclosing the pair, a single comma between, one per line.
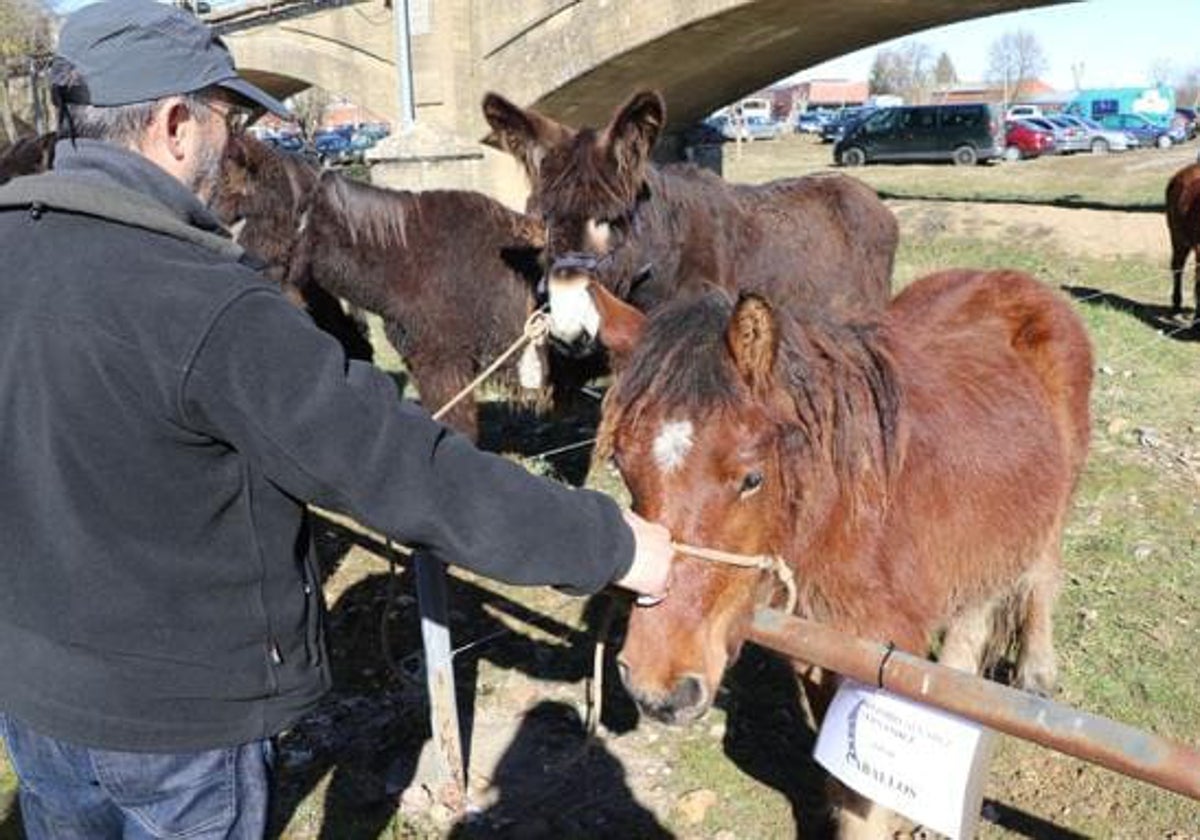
(914,471)
(27,156)
(451,273)
(650,235)
(1183,220)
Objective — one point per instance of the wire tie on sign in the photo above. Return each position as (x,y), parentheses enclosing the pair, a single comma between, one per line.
(887,654)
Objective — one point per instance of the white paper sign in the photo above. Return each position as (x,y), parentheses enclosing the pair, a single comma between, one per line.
(923,763)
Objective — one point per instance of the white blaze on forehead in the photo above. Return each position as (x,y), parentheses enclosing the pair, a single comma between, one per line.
(572,311)
(672,445)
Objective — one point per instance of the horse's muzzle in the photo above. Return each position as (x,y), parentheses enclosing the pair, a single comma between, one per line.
(581,347)
(687,701)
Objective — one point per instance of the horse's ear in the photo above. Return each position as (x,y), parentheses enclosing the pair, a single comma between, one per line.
(524,134)
(753,339)
(620,324)
(634,130)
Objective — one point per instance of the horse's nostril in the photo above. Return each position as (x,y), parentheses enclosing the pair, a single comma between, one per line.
(689,693)
(623,673)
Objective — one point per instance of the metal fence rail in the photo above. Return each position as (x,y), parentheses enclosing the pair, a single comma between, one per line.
(1116,746)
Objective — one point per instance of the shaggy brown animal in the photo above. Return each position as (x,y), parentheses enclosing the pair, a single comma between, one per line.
(650,235)
(914,471)
(1183,220)
(27,156)
(450,272)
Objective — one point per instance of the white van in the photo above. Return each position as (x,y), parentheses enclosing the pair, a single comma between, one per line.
(1019,112)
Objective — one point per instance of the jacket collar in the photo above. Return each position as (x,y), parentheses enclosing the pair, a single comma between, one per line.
(104,180)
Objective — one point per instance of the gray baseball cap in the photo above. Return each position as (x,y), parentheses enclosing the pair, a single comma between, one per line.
(127,51)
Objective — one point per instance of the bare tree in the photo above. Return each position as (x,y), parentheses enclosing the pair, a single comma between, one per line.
(309,108)
(1162,71)
(944,74)
(1187,88)
(1014,60)
(24,32)
(905,70)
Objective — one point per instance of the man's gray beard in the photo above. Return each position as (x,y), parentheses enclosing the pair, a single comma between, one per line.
(207,173)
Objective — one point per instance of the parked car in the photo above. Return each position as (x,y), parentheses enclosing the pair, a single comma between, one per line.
(1148,132)
(965,133)
(331,145)
(811,122)
(1185,118)
(1020,112)
(1101,140)
(1023,140)
(843,120)
(1074,137)
(751,128)
(1043,124)
(288,142)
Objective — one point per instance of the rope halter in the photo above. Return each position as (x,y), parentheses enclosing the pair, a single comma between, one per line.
(766,562)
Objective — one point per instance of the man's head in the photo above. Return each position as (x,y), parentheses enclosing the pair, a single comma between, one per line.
(151,77)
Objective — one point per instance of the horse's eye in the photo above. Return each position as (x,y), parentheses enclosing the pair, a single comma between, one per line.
(751,484)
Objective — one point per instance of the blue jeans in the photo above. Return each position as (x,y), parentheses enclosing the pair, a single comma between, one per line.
(71,792)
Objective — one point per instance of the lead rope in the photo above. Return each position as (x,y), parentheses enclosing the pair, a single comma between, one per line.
(537,327)
(766,562)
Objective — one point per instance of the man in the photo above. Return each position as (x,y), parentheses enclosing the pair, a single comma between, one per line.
(166,417)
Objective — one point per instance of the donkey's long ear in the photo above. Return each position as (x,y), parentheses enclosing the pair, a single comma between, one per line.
(634,130)
(753,340)
(620,324)
(526,135)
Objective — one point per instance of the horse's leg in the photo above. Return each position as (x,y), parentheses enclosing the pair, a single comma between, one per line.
(1179,255)
(1037,667)
(439,378)
(858,818)
(967,637)
(854,817)
(1196,284)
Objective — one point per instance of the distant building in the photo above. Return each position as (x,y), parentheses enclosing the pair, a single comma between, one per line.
(826,93)
(1035,92)
(349,114)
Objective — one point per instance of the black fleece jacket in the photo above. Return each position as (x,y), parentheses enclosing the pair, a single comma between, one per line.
(165,415)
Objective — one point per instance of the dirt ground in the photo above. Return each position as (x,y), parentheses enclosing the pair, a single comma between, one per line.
(1092,233)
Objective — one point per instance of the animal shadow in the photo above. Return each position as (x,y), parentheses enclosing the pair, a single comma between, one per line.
(1157,317)
(553,781)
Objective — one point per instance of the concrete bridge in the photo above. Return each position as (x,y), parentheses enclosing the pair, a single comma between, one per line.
(573,59)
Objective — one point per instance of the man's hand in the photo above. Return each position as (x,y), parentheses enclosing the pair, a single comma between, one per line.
(650,572)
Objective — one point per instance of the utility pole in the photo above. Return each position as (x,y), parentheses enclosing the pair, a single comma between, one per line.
(404,66)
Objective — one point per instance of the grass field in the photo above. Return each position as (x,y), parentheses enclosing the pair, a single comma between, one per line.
(1127,626)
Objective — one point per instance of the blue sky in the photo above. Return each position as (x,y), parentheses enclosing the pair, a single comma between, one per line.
(1116,42)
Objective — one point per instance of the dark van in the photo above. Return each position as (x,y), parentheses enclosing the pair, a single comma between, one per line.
(966,133)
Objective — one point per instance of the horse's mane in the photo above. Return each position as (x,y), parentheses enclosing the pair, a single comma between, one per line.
(839,377)
(374,215)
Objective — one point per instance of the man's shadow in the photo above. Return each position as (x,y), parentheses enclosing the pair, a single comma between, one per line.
(554,781)
(1160,318)
(359,750)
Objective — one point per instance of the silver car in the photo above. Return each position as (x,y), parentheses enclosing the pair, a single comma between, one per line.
(1101,139)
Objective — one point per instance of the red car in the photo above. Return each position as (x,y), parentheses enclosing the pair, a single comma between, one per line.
(1022,140)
